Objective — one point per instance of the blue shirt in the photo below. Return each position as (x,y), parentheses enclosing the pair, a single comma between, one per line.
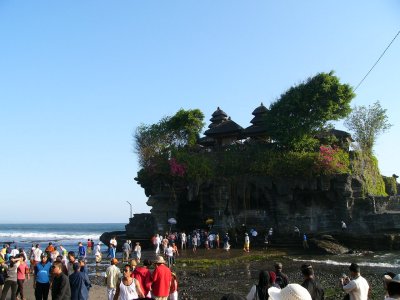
(42,272)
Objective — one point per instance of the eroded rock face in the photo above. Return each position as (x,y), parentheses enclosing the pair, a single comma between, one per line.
(314,205)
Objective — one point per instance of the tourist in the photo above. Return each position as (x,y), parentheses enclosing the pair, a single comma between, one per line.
(133,264)
(173,290)
(64,263)
(128,288)
(71,261)
(246,246)
(386,277)
(79,283)
(296,231)
(156,243)
(97,254)
(60,288)
(393,287)
(164,244)
(305,242)
(22,273)
(344,226)
(49,249)
(113,247)
(194,242)
(227,246)
(270,234)
(12,277)
(217,240)
(89,246)
(292,291)
(161,279)
(81,251)
(143,275)
(37,252)
(260,290)
(3,273)
(14,252)
(111,278)
(137,252)
(272,279)
(54,254)
(41,279)
(126,248)
(183,240)
(169,253)
(92,244)
(176,253)
(311,284)
(281,278)
(356,286)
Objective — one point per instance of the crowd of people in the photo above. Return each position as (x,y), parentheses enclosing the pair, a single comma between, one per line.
(54,270)
(64,274)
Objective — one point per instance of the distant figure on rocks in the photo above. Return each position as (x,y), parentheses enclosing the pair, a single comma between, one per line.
(113,247)
(227,246)
(296,231)
(311,284)
(246,246)
(270,234)
(344,226)
(98,254)
(305,242)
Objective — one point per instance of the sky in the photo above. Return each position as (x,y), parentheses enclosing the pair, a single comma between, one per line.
(77,78)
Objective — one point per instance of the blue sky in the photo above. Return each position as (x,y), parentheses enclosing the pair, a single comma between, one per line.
(77,78)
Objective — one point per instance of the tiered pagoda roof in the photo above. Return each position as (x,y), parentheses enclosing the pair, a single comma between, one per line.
(257,128)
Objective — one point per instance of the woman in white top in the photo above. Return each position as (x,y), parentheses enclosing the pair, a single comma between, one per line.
(128,288)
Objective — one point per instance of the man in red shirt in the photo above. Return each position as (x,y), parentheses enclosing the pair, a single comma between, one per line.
(161,280)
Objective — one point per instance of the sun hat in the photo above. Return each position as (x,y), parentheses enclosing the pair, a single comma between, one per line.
(388,279)
(159,260)
(292,291)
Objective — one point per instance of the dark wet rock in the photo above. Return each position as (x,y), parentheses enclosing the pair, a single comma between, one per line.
(328,246)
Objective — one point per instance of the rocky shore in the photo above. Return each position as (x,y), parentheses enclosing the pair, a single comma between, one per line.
(214,273)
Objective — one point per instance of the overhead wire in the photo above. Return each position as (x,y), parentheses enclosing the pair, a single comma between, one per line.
(383,53)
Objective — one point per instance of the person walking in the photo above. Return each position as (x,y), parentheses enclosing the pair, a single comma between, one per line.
(11,280)
(311,284)
(79,283)
(305,243)
(60,288)
(143,275)
(111,278)
(246,246)
(22,273)
(128,288)
(356,286)
(161,280)
(126,248)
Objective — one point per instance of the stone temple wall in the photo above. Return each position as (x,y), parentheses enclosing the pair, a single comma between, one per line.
(315,205)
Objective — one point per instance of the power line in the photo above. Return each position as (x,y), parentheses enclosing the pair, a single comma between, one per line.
(377,61)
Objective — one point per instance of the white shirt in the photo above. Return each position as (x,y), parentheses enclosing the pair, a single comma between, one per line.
(169,251)
(357,288)
(128,292)
(14,252)
(36,254)
(98,250)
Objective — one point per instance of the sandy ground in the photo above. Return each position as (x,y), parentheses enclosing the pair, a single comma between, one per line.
(96,292)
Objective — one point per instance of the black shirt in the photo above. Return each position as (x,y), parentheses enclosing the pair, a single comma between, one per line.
(60,289)
(314,288)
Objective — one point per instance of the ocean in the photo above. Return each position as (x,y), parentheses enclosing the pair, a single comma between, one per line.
(68,234)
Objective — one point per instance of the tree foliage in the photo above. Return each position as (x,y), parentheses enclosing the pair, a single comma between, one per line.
(366,124)
(301,111)
(182,129)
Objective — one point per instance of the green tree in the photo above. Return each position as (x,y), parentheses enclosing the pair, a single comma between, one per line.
(153,141)
(366,124)
(301,111)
